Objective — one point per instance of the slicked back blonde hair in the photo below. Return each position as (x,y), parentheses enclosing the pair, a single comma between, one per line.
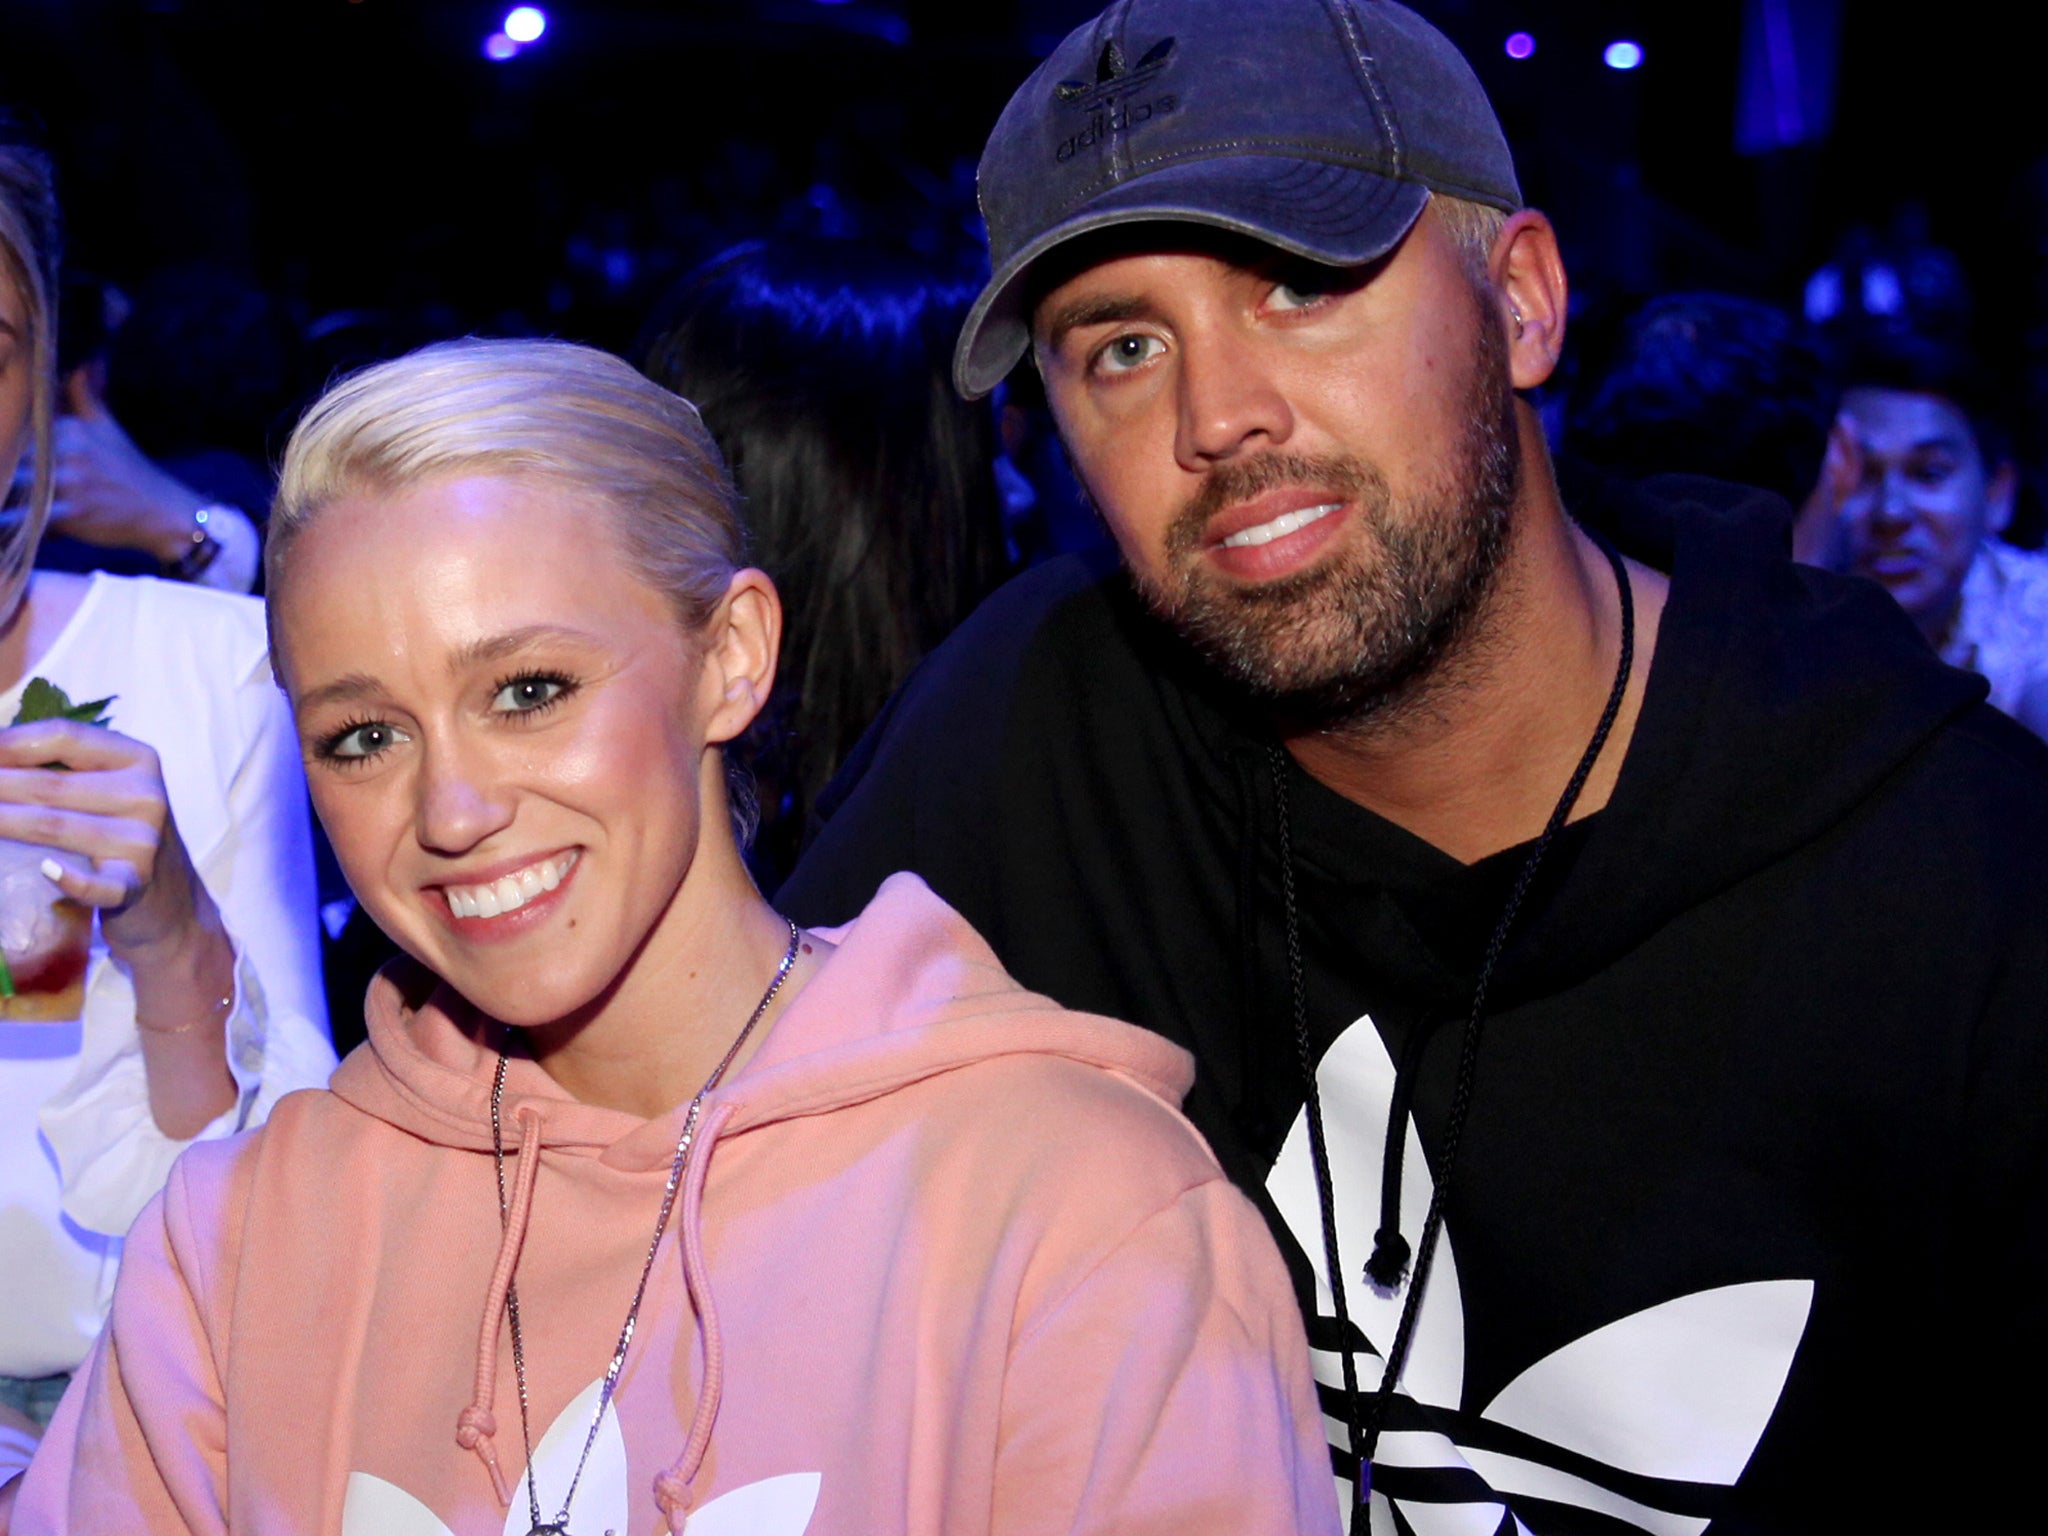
(545,408)
(28,259)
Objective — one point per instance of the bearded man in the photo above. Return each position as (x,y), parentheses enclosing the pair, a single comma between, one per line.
(1615,957)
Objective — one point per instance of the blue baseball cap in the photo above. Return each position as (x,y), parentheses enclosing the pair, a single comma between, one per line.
(1317,126)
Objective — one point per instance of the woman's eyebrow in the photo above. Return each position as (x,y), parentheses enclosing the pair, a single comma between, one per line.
(355,685)
(512,641)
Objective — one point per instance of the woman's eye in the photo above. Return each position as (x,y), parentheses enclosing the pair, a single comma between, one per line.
(522,695)
(361,741)
(1123,353)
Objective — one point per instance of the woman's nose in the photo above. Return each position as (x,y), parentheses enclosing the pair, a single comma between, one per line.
(461,801)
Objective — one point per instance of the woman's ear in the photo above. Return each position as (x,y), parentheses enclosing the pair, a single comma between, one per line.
(741,643)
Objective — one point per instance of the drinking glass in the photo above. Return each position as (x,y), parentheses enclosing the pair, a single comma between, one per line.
(45,936)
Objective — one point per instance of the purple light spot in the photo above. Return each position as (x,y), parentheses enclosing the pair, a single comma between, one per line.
(1520,45)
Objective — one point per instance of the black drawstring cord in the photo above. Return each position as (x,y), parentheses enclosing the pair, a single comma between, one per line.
(1390,1251)
(1365,1437)
(1318,1150)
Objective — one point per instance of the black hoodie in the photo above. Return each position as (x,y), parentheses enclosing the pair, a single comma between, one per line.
(1752,1192)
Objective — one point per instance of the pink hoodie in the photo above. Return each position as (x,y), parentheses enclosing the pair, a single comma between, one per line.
(946,1260)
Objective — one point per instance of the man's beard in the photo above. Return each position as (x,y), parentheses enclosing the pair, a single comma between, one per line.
(1359,639)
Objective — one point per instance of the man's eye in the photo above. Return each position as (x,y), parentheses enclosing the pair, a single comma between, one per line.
(1123,353)
(1293,296)
(356,742)
(523,695)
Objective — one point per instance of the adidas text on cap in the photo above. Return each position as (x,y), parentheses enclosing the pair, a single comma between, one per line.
(1317,126)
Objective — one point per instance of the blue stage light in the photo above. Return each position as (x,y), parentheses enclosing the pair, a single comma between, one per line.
(498,48)
(1520,45)
(1623,54)
(525,23)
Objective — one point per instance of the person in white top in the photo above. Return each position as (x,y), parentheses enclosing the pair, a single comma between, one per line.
(183,826)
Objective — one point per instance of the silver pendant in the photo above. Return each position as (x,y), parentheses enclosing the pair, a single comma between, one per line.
(552,1528)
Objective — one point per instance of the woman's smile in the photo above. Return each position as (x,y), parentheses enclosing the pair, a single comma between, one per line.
(491,906)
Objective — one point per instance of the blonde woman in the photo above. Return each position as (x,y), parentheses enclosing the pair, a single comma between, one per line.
(183,826)
(642,1208)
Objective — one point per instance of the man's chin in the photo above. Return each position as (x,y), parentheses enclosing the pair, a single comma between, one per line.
(1271,662)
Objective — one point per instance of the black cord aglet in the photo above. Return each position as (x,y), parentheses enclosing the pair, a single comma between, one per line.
(1389,1261)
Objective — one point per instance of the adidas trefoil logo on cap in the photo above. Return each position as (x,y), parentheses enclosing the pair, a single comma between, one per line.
(1109,98)
(1112,76)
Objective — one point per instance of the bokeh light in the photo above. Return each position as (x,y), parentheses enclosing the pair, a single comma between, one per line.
(498,48)
(1520,45)
(525,23)
(1623,54)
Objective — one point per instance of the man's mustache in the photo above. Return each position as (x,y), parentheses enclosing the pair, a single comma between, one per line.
(1240,480)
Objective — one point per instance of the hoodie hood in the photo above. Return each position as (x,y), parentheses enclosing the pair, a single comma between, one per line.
(1779,698)
(909,991)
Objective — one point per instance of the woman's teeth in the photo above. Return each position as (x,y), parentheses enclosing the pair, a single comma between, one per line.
(509,892)
(1281,526)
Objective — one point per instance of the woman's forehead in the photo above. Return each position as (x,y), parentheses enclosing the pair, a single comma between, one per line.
(471,549)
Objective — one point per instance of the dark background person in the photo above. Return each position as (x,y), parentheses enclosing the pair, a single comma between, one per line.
(1925,514)
(1711,384)
(824,371)
(188,508)
(1720,385)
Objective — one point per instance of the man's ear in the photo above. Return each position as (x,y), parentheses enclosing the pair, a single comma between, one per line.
(1999,494)
(741,643)
(1533,296)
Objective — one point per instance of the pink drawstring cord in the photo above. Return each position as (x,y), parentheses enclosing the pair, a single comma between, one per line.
(476,1424)
(672,1488)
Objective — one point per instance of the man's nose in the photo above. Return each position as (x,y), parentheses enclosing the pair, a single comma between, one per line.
(462,800)
(1229,401)
(1892,507)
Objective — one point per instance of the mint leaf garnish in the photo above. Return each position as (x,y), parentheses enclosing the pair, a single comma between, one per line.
(44,700)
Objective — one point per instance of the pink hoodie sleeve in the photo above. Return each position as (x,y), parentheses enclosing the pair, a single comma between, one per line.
(139,1444)
(1169,1391)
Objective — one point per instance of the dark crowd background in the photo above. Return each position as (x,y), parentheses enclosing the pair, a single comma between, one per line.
(282,188)
(261,194)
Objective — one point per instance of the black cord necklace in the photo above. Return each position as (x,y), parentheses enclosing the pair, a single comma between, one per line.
(1389,1251)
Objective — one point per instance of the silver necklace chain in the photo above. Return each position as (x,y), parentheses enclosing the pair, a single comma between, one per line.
(559,1526)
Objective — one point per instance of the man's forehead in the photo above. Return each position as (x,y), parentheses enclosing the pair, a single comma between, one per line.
(1906,418)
